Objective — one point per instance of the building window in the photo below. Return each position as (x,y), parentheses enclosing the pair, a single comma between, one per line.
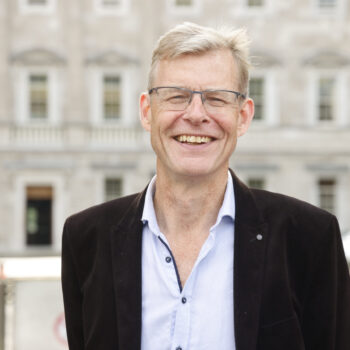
(327,4)
(326,95)
(112,7)
(183,2)
(39,215)
(255,3)
(111,97)
(257,93)
(113,188)
(327,194)
(37,2)
(184,7)
(38,97)
(111,2)
(256,182)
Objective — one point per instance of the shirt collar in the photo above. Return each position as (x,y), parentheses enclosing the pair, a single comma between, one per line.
(228,207)
(149,214)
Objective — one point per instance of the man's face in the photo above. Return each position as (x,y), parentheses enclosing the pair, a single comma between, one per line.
(215,132)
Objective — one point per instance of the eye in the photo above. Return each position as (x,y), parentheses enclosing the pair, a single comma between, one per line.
(177,98)
(216,99)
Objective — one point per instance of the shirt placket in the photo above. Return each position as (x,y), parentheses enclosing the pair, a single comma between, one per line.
(183,313)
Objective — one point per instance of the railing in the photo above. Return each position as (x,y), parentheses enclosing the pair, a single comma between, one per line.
(85,136)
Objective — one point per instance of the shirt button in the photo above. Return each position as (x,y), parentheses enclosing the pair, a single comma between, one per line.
(184,300)
(259,237)
(168,259)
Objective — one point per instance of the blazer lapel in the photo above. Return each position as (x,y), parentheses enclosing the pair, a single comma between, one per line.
(126,247)
(250,241)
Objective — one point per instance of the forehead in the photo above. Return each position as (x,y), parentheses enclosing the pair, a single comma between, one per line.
(213,69)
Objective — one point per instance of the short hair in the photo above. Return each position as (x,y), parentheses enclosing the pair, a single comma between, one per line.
(190,38)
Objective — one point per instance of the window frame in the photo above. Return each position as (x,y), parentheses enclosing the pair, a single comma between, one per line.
(270,98)
(37,179)
(21,93)
(340,97)
(117,117)
(95,93)
(334,194)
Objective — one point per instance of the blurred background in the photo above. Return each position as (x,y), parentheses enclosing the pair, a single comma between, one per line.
(71,72)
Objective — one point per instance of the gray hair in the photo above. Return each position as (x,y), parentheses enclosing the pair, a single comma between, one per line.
(190,38)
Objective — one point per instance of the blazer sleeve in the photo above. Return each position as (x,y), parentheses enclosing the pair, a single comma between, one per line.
(326,314)
(72,296)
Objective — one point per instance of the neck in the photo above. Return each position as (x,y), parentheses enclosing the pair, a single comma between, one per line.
(189,205)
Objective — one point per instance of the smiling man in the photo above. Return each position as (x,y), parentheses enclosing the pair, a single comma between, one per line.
(198,260)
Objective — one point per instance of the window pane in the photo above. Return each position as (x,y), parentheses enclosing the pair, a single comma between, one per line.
(113,188)
(256,182)
(327,4)
(255,3)
(37,2)
(256,92)
(110,2)
(112,96)
(38,96)
(39,215)
(183,2)
(327,188)
(326,98)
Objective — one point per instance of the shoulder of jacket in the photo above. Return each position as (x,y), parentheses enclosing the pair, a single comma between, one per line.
(101,217)
(297,211)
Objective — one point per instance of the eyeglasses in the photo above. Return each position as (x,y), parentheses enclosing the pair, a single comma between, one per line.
(174,98)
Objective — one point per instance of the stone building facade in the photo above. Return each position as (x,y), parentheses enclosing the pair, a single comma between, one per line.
(71,73)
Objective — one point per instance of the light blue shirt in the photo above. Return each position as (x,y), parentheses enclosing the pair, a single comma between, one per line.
(200,316)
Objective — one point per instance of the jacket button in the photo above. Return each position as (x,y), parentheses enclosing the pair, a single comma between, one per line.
(259,237)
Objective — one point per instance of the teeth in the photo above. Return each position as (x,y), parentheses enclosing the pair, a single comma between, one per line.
(193,139)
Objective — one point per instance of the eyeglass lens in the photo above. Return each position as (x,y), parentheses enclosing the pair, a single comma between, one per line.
(172,98)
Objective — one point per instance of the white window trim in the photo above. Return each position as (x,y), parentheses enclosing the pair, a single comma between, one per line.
(340,108)
(173,9)
(120,10)
(21,96)
(26,9)
(96,96)
(18,239)
(271,98)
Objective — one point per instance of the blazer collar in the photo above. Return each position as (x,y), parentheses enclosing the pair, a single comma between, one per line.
(249,249)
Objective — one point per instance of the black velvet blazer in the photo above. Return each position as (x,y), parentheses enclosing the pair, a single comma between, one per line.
(291,280)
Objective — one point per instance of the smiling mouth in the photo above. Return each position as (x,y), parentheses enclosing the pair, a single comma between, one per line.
(193,140)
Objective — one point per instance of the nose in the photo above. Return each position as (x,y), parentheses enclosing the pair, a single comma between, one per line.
(195,111)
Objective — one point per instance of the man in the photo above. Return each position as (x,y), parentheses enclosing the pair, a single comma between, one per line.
(198,260)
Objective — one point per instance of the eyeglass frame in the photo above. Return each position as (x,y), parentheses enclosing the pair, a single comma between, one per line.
(155,89)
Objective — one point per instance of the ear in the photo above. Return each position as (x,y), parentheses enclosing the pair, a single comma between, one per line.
(245,116)
(145,111)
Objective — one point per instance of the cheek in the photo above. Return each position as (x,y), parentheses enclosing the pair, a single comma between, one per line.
(228,126)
